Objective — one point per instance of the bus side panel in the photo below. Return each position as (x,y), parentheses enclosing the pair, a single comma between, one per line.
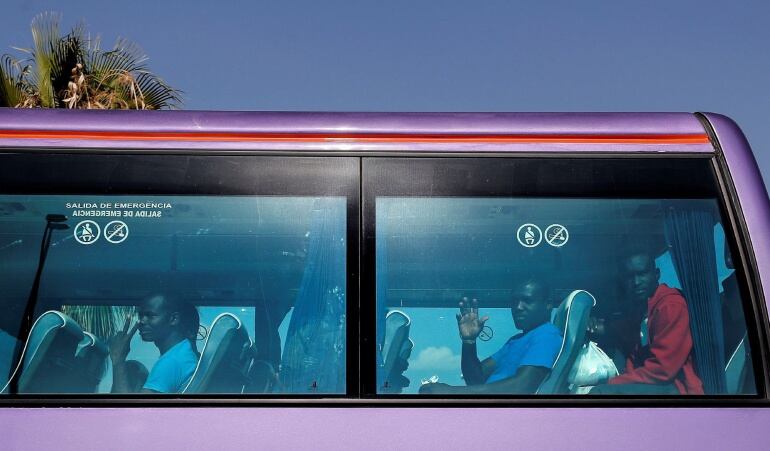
(384,428)
(752,194)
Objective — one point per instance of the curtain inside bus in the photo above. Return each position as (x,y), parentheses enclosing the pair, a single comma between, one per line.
(690,235)
(314,356)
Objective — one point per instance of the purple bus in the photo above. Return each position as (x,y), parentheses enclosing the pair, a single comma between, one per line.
(177,279)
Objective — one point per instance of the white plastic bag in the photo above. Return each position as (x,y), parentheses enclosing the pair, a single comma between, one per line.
(592,367)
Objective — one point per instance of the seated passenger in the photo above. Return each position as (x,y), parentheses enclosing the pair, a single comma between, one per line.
(172,325)
(661,362)
(523,363)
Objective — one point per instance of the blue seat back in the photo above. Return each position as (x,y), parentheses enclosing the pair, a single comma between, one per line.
(48,358)
(571,318)
(224,360)
(396,349)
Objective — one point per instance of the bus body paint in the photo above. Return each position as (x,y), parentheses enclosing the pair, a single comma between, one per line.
(353,132)
(396,427)
(384,428)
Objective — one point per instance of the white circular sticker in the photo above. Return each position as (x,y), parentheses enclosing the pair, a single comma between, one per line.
(116,232)
(556,235)
(87,232)
(529,235)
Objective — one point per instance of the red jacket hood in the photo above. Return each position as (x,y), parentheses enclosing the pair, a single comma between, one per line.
(660,293)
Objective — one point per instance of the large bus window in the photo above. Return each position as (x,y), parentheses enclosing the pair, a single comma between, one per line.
(174,294)
(587,293)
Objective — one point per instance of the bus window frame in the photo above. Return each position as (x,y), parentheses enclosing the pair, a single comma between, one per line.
(746,268)
(359,286)
(339,177)
(755,320)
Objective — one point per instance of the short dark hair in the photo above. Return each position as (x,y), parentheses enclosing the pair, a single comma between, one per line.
(633,249)
(189,319)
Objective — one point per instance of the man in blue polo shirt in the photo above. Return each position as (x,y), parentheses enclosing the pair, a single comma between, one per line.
(172,325)
(523,363)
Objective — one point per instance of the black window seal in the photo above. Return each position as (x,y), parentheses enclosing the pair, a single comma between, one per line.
(748,272)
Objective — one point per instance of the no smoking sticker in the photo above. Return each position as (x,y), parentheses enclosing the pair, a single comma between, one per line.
(116,232)
(556,235)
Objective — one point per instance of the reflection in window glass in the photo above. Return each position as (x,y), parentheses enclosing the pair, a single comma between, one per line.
(480,296)
(173,294)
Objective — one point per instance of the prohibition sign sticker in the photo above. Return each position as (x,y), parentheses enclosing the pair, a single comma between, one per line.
(556,235)
(116,232)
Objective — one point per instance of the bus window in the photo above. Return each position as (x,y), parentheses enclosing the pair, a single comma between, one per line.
(511,289)
(174,294)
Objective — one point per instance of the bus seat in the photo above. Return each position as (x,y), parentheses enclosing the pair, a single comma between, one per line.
(261,377)
(90,364)
(396,349)
(224,359)
(48,358)
(571,318)
(735,370)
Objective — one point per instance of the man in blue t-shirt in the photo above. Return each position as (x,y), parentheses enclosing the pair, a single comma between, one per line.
(523,363)
(172,325)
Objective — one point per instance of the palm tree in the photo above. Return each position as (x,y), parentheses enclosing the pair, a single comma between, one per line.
(72,71)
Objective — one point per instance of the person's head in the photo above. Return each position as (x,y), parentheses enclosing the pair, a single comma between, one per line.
(162,317)
(531,304)
(639,274)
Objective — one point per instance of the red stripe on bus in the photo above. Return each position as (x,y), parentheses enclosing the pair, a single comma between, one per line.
(354,137)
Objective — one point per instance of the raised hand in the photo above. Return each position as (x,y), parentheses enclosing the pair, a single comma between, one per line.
(120,343)
(469,323)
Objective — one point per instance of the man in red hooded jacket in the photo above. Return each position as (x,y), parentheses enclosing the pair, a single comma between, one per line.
(662,360)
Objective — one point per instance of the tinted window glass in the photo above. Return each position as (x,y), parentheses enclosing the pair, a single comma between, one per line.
(257,284)
(612,294)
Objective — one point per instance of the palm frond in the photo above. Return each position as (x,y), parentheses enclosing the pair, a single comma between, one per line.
(73,71)
(122,70)
(67,56)
(157,93)
(45,38)
(104,321)
(12,92)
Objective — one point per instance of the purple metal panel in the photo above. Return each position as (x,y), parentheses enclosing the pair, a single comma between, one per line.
(386,428)
(752,195)
(308,122)
(359,147)
(359,123)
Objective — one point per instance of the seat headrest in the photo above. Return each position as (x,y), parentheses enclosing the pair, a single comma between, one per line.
(397,347)
(562,312)
(395,320)
(571,318)
(52,340)
(227,341)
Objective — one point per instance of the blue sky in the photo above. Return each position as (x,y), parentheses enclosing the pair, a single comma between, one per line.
(445,56)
